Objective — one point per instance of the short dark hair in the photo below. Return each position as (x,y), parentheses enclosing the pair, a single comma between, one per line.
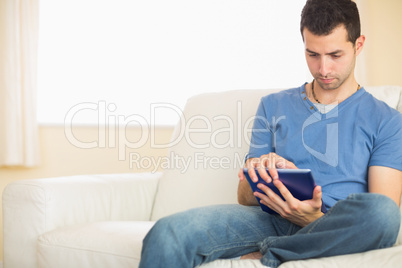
(321,17)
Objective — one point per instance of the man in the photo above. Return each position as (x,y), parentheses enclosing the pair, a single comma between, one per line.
(351,142)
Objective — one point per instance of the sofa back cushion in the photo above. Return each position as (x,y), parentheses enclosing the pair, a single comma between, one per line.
(208,148)
(209,145)
(392,95)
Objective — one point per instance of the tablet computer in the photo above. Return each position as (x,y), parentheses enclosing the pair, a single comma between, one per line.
(300,183)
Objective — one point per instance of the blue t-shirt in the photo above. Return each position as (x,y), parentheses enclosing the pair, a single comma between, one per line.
(338,146)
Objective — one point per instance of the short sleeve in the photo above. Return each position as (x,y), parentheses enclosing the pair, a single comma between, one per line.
(261,135)
(387,149)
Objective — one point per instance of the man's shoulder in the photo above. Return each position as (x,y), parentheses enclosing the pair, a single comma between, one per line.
(378,107)
(378,116)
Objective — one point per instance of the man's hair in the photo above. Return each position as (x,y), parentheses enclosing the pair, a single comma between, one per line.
(321,17)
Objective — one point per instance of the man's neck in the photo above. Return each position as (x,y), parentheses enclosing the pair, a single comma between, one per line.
(332,96)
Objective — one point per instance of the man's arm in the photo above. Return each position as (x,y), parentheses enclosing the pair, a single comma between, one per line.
(245,194)
(386,181)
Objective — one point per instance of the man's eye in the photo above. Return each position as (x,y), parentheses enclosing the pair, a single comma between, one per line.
(336,56)
(313,55)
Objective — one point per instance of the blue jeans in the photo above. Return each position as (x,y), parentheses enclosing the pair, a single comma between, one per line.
(361,222)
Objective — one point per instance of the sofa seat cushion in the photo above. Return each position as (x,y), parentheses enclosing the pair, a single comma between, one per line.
(100,244)
(373,258)
(235,263)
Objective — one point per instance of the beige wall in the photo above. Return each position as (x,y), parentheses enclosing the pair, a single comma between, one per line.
(382,55)
(62,155)
(379,65)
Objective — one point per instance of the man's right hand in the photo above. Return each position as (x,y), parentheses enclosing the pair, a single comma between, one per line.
(270,161)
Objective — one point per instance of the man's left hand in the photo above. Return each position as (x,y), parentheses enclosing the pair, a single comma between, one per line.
(298,212)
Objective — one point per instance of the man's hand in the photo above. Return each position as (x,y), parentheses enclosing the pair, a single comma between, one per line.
(270,161)
(298,212)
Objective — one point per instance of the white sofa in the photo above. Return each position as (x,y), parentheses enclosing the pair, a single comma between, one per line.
(100,220)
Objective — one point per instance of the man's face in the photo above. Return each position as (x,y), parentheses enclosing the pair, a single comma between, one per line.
(331,58)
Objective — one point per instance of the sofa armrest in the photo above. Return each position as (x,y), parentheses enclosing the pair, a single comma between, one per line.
(33,207)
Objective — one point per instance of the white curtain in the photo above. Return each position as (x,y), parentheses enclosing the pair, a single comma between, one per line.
(19,145)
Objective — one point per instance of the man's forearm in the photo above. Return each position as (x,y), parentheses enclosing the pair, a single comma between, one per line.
(245,195)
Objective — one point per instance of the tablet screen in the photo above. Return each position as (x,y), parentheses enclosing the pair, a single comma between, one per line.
(300,183)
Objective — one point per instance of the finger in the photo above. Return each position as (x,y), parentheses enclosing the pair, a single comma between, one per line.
(241,174)
(286,164)
(273,173)
(251,164)
(270,193)
(281,162)
(275,207)
(270,198)
(260,167)
(256,166)
(287,195)
(317,196)
(266,193)
(262,171)
(269,161)
(290,202)
(252,174)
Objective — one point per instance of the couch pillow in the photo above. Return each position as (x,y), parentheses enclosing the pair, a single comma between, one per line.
(209,147)
(389,94)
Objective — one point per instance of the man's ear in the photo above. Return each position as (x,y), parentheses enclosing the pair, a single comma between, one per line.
(360,44)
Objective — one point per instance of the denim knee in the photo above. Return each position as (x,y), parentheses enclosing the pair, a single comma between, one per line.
(167,244)
(379,216)
(169,230)
(189,238)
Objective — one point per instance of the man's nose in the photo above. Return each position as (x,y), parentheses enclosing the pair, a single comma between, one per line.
(324,67)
